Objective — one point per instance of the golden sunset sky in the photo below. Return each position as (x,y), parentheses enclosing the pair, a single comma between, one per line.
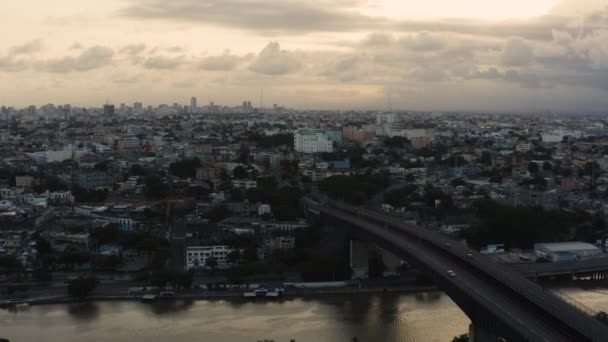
(516,55)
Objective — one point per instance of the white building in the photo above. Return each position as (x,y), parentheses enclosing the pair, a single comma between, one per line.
(10,194)
(551,138)
(197,256)
(523,147)
(264,209)
(382,119)
(100,213)
(312,141)
(279,242)
(63,197)
(244,184)
(566,251)
(52,156)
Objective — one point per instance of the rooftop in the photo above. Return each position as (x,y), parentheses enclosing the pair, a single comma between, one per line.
(566,246)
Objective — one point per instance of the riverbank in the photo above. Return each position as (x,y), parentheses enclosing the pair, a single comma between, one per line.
(233,295)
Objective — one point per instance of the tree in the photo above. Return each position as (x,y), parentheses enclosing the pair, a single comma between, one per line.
(212,263)
(219,213)
(81,287)
(397,142)
(461,338)
(9,262)
(457,182)
(547,166)
(137,170)
(602,317)
(185,168)
(103,167)
(486,158)
(234,256)
(376,265)
(156,188)
(243,154)
(354,189)
(533,168)
(239,172)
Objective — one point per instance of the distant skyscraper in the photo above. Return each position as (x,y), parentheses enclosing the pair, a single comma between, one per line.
(5,114)
(193,105)
(138,108)
(67,109)
(108,110)
(31,112)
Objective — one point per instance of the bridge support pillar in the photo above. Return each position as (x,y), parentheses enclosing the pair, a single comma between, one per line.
(480,334)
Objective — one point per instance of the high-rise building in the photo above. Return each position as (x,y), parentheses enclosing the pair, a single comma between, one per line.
(5,114)
(138,108)
(67,109)
(193,105)
(385,119)
(312,141)
(31,111)
(108,110)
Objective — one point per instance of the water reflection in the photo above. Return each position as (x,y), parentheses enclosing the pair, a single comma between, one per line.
(83,311)
(428,296)
(386,317)
(165,307)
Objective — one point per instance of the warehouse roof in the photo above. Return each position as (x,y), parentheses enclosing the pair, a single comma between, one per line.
(566,246)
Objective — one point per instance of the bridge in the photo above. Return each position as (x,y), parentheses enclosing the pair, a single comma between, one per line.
(502,303)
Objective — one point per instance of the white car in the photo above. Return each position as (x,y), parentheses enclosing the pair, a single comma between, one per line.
(451,273)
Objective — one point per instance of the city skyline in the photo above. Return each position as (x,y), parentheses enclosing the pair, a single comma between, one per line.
(477,56)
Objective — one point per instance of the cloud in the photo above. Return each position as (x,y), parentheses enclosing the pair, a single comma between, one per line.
(163,62)
(91,58)
(127,79)
(517,53)
(76,46)
(10,64)
(261,15)
(175,49)
(427,74)
(27,48)
(225,62)
(274,61)
(424,41)
(378,39)
(188,83)
(133,49)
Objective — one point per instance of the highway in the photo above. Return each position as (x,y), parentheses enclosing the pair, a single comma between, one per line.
(522,305)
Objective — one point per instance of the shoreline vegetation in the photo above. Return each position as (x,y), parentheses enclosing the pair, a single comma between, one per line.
(292,294)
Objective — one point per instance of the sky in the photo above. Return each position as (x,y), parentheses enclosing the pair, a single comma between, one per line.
(466,55)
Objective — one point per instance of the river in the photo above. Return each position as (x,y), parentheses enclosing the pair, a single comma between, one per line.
(369,317)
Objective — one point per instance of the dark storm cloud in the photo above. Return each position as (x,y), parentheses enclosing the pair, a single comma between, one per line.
(261,15)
